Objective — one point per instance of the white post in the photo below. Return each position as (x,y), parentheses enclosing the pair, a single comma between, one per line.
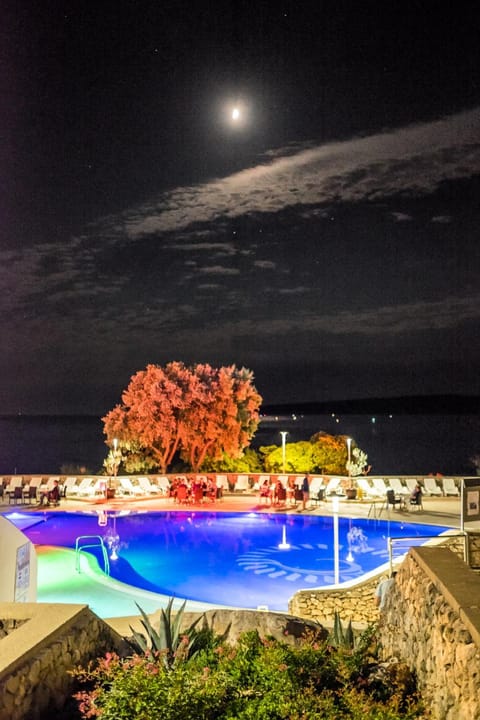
(284,434)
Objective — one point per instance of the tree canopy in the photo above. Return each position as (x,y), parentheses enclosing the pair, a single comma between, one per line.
(198,413)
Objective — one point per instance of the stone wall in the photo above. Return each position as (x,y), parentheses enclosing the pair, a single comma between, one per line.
(432,621)
(35,656)
(356,603)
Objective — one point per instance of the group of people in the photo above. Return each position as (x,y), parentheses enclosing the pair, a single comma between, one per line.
(276,493)
(198,489)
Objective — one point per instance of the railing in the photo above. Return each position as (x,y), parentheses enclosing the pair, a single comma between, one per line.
(392,541)
(81,547)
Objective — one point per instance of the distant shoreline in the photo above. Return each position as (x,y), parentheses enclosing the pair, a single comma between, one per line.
(404,405)
(407,405)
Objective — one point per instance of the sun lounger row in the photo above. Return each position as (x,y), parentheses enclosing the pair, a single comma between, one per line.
(377,487)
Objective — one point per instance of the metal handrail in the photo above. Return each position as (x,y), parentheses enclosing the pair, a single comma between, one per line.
(391,541)
(79,548)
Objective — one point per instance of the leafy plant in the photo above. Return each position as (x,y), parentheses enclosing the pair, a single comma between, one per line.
(255,679)
(342,637)
(170,643)
(167,642)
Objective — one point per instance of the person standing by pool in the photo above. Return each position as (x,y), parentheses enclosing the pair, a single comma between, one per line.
(382,590)
(305,491)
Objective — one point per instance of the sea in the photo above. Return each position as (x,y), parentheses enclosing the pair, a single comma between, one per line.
(395,444)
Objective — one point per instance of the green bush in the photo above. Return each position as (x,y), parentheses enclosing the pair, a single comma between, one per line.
(257,679)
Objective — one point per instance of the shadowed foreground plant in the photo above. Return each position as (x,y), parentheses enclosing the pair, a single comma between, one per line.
(256,679)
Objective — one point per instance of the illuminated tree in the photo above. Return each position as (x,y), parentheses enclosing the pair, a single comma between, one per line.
(298,457)
(199,412)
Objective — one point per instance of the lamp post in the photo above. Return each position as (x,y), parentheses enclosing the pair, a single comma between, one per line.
(284,434)
(116,455)
(349,454)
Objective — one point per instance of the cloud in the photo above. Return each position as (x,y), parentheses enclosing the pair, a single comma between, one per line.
(265,264)
(442,219)
(219,270)
(413,160)
(401,217)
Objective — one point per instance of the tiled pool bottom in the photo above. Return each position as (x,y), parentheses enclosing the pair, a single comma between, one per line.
(231,559)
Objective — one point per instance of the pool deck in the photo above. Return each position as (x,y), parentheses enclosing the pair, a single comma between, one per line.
(116,602)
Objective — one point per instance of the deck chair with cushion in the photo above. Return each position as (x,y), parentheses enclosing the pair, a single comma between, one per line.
(242,483)
(128,488)
(449,487)
(398,487)
(333,486)
(431,486)
(147,487)
(163,484)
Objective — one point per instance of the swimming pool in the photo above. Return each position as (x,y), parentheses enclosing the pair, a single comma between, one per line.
(240,559)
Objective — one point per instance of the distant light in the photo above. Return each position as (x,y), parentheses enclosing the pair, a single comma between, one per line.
(374,420)
(235,113)
(337,420)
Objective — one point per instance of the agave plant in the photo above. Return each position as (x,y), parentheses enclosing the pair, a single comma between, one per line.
(169,643)
(342,637)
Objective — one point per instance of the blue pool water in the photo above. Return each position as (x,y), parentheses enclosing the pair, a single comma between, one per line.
(240,559)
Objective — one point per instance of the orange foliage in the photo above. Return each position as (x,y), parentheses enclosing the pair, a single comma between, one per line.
(199,412)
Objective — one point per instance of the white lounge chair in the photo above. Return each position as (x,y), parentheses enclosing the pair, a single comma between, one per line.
(45,487)
(398,487)
(163,484)
(128,488)
(380,485)
(242,483)
(147,486)
(449,487)
(431,486)
(316,483)
(14,489)
(259,482)
(366,488)
(410,483)
(222,482)
(83,489)
(333,486)
(69,485)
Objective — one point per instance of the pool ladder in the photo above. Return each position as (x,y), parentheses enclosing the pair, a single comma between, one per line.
(93,541)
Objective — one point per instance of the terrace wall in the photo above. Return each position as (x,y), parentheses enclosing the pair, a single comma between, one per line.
(356,602)
(41,644)
(432,621)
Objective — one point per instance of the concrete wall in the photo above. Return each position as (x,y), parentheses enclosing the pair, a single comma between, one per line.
(432,621)
(44,642)
(17,582)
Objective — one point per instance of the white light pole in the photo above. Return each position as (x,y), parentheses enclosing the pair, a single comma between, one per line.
(336,558)
(284,434)
(349,454)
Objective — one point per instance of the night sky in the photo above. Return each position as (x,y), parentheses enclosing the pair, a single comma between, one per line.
(327,240)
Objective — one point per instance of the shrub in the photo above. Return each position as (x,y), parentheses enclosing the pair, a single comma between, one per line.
(257,679)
